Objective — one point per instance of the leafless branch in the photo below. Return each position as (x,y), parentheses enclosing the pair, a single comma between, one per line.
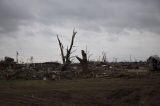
(61,48)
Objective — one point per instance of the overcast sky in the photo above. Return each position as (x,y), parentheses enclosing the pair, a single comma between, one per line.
(118,27)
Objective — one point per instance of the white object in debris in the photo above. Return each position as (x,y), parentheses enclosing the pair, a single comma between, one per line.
(104,65)
(75,68)
(53,76)
(110,67)
(44,78)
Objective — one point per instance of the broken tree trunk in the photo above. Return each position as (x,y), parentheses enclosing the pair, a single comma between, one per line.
(83,62)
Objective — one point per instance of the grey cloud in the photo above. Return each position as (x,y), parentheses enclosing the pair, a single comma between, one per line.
(112,15)
(101,21)
(15,13)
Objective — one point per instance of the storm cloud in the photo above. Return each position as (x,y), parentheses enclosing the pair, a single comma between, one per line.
(118,27)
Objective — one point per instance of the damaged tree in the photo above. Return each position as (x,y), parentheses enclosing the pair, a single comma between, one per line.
(66,59)
(83,61)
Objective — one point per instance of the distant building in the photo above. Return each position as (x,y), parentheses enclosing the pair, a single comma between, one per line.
(154,63)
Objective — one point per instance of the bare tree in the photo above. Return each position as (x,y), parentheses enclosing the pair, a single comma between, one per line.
(66,59)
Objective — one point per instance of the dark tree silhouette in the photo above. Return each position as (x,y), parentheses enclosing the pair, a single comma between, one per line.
(83,61)
(66,59)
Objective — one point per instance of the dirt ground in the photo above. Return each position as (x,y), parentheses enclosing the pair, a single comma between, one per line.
(121,90)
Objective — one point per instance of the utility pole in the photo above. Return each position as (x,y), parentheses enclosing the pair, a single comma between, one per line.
(17,57)
(31,59)
(116,60)
(113,59)
(130,56)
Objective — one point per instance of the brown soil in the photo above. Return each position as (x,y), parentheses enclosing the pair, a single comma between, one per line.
(136,91)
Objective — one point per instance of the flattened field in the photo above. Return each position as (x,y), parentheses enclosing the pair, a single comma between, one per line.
(140,90)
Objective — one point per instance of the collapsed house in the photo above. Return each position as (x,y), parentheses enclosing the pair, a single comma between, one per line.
(154,63)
